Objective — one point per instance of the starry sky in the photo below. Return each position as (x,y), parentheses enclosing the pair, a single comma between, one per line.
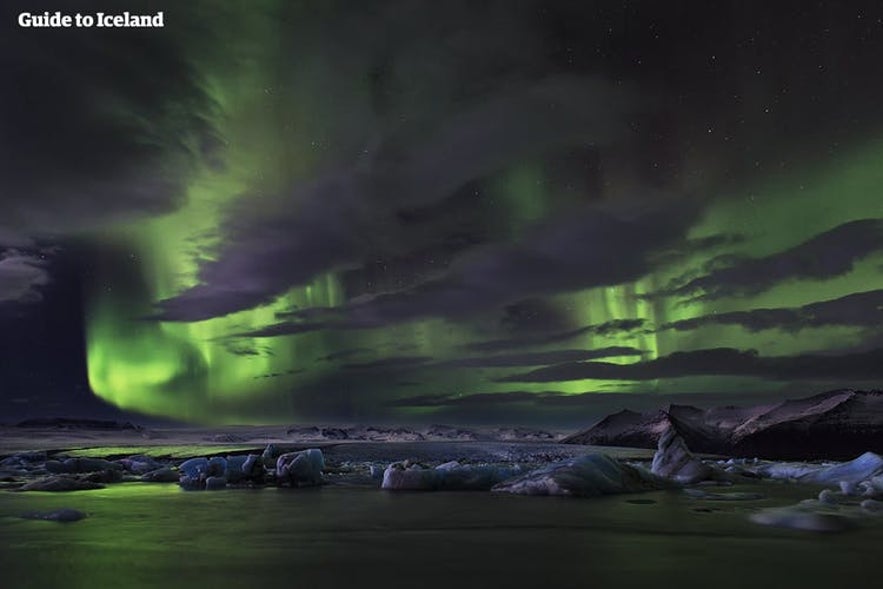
(414,211)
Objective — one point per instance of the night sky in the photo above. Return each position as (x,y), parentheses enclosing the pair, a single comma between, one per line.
(403,211)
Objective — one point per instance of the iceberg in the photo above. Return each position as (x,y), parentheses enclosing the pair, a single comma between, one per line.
(592,475)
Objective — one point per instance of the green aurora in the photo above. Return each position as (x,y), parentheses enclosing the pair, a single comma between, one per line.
(288,104)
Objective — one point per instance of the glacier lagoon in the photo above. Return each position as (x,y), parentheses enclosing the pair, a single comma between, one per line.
(149,535)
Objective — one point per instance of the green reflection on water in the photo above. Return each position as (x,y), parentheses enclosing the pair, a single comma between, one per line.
(156,535)
(166,451)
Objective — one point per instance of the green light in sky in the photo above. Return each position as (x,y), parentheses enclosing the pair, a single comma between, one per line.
(195,371)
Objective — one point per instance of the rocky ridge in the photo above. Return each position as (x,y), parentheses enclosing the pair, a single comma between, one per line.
(836,425)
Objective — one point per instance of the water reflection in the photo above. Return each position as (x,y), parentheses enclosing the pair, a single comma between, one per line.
(141,535)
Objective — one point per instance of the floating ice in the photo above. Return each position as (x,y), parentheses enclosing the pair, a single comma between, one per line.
(300,469)
(587,476)
(865,467)
(809,516)
(450,476)
(673,460)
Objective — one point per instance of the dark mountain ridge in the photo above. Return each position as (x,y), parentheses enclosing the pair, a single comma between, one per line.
(837,425)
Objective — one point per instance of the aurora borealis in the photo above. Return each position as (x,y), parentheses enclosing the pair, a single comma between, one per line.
(473,211)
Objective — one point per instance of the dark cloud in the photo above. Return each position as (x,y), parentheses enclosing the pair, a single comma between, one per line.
(342,354)
(135,117)
(863,309)
(825,256)
(285,241)
(460,160)
(282,329)
(719,362)
(615,326)
(247,348)
(567,255)
(472,399)
(391,363)
(22,274)
(463,114)
(14,240)
(289,372)
(560,255)
(532,316)
(690,247)
(540,358)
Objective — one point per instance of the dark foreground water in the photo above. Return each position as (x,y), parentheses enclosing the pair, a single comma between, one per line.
(141,535)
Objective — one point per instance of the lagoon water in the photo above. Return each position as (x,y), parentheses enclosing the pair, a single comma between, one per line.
(142,535)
